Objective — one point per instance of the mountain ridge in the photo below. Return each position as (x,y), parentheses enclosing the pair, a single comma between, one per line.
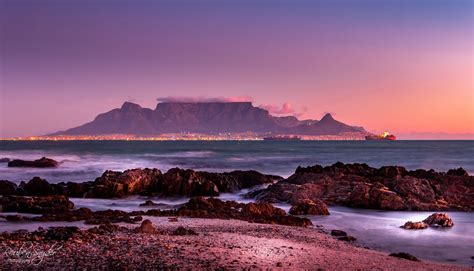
(203,117)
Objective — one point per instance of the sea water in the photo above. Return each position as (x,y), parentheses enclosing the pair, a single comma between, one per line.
(86,160)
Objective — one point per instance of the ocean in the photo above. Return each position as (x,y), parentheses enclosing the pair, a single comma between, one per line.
(86,160)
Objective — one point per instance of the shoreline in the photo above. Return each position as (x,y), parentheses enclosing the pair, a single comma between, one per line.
(229,244)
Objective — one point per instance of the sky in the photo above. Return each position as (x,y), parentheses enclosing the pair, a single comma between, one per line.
(406,66)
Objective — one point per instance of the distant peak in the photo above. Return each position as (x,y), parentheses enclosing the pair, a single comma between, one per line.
(130,106)
(327,117)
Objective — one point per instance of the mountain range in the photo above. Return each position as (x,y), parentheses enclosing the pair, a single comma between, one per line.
(206,118)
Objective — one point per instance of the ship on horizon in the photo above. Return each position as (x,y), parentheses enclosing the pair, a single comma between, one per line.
(384,136)
(282,138)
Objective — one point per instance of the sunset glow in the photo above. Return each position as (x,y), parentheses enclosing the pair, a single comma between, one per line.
(403,66)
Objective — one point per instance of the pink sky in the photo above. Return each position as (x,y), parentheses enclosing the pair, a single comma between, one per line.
(402,66)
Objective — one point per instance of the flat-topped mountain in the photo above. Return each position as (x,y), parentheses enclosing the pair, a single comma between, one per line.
(208,118)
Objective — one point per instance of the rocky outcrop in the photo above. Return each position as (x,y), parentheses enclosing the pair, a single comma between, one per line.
(146,227)
(198,207)
(252,212)
(114,184)
(414,225)
(186,182)
(309,207)
(436,219)
(183,231)
(387,188)
(35,205)
(439,219)
(37,187)
(40,163)
(8,188)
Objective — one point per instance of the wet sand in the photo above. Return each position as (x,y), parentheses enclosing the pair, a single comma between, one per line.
(228,244)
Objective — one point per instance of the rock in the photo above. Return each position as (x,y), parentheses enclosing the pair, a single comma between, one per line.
(172,219)
(347,238)
(186,182)
(36,205)
(387,188)
(8,188)
(61,233)
(115,184)
(436,219)
(252,212)
(38,187)
(148,203)
(146,227)
(458,172)
(392,171)
(4,160)
(414,225)
(338,233)
(183,231)
(40,163)
(279,264)
(404,255)
(309,207)
(439,219)
(250,178)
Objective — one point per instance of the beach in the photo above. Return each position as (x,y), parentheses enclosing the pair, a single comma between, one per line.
(219,244)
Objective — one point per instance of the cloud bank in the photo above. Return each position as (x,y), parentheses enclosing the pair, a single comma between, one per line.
(204,99)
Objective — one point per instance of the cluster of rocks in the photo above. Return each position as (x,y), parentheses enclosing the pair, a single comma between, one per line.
(436,219)
(65,233)
(115,184)
(387,188)
(198,207)
(40,163)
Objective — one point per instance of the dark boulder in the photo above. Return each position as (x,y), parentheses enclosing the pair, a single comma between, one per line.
(183,231)
(309,207)
(36,205)
(146,227)
(37,187)
(40,163)
(458,172)
(8,188)
(338,233)
(404,255)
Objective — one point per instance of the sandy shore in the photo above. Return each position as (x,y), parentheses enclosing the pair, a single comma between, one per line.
(228,244)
